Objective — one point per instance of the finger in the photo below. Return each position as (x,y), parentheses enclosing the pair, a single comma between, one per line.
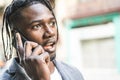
(38,50)
(19,40)
(45,57)
(20,48)
(29,46)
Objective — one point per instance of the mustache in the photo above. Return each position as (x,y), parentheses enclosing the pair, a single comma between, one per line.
(50,40)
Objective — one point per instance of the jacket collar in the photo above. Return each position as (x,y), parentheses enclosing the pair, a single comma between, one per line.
(15,69)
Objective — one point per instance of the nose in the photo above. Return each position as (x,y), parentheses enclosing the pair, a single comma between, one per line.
(49,32)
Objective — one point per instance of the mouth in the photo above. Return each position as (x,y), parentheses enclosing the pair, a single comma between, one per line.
(49,46)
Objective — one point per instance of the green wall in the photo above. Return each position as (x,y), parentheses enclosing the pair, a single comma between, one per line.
(116,21)
(95,20)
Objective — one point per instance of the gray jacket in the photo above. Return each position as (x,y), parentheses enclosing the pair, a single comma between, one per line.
(13,71)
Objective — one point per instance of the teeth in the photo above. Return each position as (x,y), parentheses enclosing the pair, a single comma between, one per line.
(49,44)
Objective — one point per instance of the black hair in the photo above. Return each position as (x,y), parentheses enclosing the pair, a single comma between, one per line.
(8,27)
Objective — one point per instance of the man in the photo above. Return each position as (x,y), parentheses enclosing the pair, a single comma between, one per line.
(31,26)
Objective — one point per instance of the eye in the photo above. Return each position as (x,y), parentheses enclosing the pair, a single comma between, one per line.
(36,26)
(52,23)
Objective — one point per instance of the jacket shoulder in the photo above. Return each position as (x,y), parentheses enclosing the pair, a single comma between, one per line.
(13,71)
(68,71)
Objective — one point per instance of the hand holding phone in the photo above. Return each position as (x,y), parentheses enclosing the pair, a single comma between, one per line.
(34,61)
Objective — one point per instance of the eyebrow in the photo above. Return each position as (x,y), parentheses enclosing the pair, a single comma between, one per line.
(35,21)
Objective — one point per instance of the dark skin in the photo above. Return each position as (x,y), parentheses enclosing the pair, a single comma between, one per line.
(38,26)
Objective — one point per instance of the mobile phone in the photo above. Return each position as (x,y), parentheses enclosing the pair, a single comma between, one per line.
(22,36)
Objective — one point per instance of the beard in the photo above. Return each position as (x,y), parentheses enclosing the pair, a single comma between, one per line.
(52,57)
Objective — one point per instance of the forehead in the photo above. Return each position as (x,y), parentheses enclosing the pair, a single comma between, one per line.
(36,11)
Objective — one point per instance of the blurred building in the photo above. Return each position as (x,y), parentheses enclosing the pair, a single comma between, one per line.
(91,36)
(3,3)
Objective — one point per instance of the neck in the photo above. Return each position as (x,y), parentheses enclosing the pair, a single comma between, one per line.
(51,67)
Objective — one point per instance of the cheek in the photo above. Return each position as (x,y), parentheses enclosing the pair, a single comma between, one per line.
(56,33)
(35,36)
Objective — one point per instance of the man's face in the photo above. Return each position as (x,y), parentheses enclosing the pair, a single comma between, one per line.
(38,24)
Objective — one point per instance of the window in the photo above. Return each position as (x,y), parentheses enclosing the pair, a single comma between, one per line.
(99,53)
